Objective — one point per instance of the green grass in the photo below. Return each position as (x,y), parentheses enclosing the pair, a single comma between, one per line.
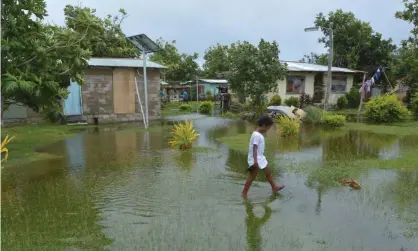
(29,137)
(350,111)
(399,129)
(173,108)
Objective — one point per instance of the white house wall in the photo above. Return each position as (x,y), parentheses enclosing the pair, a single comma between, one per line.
(309,87)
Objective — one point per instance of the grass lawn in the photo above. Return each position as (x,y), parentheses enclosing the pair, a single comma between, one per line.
(29,137)
(173,108)
(399,129)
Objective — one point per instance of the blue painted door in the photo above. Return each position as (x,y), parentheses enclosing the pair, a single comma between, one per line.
(72,105)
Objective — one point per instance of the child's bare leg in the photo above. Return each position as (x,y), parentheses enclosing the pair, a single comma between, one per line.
(269,177)
(250,179)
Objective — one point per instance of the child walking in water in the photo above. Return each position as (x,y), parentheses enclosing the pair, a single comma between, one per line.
(256,158)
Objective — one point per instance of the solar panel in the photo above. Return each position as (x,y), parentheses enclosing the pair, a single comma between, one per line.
(143,42)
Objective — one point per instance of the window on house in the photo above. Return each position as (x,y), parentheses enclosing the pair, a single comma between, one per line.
(295,84)
(339,84)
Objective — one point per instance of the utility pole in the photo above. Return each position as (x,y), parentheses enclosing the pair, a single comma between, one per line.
(330,59)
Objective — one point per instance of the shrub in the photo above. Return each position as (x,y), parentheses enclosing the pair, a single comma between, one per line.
(414,105)
(334,120)
(183,136)
(305,99)
(287,126)
(353,97)
(209,96)
(385,109)
(342,102)
(206,107)
(314,115)
(276,100)
(292,101)
(185,107)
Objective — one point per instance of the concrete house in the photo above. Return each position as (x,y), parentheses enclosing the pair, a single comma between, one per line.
(301,78)
(108,94)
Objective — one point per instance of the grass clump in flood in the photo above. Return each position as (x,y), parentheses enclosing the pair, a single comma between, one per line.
(183,136)
(287,127)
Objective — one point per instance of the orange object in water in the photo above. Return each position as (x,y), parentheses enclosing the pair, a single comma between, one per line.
(351,183)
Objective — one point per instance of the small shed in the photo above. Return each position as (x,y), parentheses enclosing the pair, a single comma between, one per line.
(108,94)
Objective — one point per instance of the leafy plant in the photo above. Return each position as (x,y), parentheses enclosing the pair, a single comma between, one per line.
(229,115)
(353,97)
(385,109)
(314,115)
(206,107)
(305,99)
(287,127)
(292,101)
(276,100)
(4,150)
(183,136)
(414,105)
(342,102)
(185,107)
(334,120)
(209,96)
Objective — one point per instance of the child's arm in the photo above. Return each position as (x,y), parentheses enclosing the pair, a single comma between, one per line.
(255,146)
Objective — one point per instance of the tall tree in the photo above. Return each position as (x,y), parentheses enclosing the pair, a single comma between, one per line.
(180,67)
(104,37)
(356,45)
(406,63)
(38,60)
(314,58)
(216,61)
(255,70)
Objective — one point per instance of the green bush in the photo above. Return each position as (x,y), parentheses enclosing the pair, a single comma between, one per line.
(185,107)
(314,115)
(206,107)
(342,102)
(209,96)
(414,105)
(292,101)
(276,100)
(334,120)
(353,97)
(385,109)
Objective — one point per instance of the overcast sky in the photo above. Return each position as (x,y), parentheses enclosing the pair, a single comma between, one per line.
(197,24)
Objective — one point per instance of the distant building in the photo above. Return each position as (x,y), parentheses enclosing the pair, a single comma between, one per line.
(301,76)
(108,94)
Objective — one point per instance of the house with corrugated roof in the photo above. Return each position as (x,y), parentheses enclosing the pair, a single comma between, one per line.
(109,94)
(301,78)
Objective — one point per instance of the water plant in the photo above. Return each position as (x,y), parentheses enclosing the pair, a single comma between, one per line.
(287,127)
(183,135)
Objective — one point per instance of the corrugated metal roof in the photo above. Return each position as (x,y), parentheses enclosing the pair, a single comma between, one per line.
(215,81)
(298,66)
(122,62)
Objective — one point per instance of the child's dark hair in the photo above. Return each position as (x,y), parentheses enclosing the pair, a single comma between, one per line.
(265,121)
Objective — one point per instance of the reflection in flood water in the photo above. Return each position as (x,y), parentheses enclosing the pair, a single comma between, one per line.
(118,189)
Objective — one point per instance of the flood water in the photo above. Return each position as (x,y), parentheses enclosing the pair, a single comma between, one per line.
(117,189)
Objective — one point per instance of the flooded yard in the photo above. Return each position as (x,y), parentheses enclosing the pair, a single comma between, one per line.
(118,189)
